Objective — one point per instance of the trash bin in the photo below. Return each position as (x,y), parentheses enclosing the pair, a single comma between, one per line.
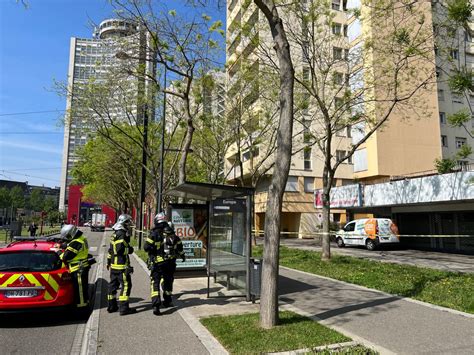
(255,278)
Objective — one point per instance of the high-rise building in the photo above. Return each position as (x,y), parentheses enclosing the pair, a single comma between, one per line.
(91,60)
(410,141)
(249,160)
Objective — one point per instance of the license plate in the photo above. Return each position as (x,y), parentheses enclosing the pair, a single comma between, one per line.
(21,293)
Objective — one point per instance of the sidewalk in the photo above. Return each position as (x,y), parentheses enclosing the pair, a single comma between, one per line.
(386,323)
(394,325)
(429,259)
(143,332)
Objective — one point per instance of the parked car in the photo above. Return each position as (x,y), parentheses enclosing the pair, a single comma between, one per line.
(368,232)
(33,277)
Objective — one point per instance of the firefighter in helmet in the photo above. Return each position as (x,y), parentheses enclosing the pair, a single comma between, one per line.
(173,249)
(76,257)
(156,259)
(118,262)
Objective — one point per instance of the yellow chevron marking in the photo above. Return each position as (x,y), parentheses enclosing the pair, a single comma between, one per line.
(47,296)
(52,282)
(10,280)
(32,279)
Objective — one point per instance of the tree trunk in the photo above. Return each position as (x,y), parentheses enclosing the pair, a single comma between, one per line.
(269,296)
(187,142)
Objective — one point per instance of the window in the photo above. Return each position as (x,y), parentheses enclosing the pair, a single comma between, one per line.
(337,53)
(346,54)
(460,142)
(338,102)
(306,73)
(29,261)
(307,158)
(454,54)
(350,227)
(444,141)
(336,29)
(338,78)
(349,131)
(292,184)
(457,99)
(309,184)
(438,72)
(305,48)
(442,117)
(306,131)
(340,155)
(336,5)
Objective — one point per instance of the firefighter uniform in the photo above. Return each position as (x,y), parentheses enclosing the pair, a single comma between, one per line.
(75,256)
(118,262)
(173,248)
(156,259)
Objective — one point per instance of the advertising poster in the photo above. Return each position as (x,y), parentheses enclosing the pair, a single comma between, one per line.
(190,224)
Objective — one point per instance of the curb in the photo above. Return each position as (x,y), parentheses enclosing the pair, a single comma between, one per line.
(337,346)
(356,339)
(204,336)
(85,340)
(421,303)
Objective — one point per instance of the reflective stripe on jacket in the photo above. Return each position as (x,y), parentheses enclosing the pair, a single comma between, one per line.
(76,254)
(119,250)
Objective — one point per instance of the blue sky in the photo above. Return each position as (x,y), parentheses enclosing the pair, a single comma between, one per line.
(34,51)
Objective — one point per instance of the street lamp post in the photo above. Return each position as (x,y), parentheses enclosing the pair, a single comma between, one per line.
(162,153)
(143,178)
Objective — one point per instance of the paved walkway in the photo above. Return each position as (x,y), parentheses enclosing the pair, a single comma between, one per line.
(387,323)
(434,260)
(143,332)
(392,324)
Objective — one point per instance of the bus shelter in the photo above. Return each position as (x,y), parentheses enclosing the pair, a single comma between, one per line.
(229,228)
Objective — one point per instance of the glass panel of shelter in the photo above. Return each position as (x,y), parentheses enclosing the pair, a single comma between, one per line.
(228,248)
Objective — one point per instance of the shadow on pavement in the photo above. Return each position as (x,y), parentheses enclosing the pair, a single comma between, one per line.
(355,307)
(40,319)
(287,286)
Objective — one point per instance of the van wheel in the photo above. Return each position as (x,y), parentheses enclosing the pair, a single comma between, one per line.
(340,242)
(370,244)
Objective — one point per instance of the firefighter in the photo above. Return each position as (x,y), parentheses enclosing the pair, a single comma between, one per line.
(173,248)
(76,257)
(156,259)
(118,262)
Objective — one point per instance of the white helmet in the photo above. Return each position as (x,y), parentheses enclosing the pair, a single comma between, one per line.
(123,222)
(68,231)
(160,217)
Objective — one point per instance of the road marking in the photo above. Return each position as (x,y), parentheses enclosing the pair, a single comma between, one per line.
(85,340)
(93,249)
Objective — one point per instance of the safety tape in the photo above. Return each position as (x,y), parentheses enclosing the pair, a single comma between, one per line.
(317,234)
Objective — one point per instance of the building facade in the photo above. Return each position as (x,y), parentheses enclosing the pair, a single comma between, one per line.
(410,141)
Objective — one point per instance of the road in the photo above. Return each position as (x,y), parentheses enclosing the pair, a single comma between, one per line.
(47,333)
(429,259)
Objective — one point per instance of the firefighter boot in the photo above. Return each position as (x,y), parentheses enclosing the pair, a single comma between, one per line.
(112,306)
(125,309)
(156,311)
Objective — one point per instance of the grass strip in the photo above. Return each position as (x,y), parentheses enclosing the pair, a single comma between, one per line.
(353,350)
(443,288)
(242,334)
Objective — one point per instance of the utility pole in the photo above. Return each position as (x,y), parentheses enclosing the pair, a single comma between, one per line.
(159,198)
(143,179)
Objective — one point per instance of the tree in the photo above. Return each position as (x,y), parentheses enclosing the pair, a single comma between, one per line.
(269,296)
(109,175)
(5,200)
(50,204)
(36,200)
(17,197)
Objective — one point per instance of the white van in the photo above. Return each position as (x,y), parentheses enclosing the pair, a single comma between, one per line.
(368,232)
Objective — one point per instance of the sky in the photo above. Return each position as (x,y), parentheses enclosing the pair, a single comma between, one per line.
(34,52)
